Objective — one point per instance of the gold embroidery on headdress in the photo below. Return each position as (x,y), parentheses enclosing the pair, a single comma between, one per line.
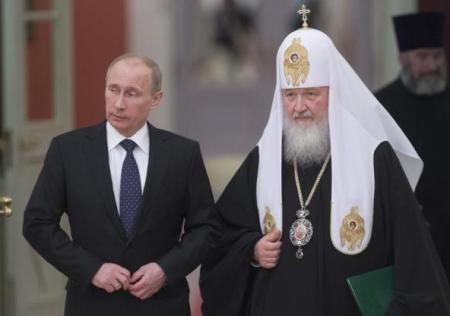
(296,63)
(269,222)
(352,230)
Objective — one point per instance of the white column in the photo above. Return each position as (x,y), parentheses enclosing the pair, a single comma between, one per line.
(150,32)
(364,33)
(386,62)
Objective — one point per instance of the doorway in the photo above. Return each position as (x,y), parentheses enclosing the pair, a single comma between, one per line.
(36,99)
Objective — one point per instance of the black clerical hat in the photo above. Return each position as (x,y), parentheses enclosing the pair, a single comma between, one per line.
(419,30)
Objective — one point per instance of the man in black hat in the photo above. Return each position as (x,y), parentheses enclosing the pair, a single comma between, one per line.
(419,101)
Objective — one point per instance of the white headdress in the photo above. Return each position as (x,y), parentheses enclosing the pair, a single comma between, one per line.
(358,124)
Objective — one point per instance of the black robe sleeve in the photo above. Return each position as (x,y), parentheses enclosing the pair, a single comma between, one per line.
(225,279)
(421,287)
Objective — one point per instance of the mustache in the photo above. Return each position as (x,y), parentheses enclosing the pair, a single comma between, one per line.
(304,114)
(435,73)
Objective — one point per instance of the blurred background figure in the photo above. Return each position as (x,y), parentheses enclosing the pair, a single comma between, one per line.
(419,100)
(229,51)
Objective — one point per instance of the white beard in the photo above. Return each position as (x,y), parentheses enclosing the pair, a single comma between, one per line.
(307,145)
(424,86)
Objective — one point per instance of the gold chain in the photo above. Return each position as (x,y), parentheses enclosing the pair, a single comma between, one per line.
(316,183)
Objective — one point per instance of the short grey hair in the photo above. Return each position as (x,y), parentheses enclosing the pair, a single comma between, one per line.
(150,63)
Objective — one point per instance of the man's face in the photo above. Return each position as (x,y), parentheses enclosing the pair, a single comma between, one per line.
(424,63)
(128,96)
(306,106)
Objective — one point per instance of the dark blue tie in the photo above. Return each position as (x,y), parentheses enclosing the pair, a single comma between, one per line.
(130,188)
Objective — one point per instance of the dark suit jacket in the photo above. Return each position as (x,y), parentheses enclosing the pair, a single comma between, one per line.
(76,179)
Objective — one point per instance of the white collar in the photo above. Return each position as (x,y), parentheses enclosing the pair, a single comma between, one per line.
(141,137)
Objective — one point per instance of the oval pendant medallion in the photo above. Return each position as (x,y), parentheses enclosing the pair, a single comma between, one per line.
(301,232)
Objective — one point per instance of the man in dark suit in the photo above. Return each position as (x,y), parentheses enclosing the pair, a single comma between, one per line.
(127,188)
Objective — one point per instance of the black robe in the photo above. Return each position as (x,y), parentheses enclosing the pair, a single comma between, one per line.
(316,284)
(426,122)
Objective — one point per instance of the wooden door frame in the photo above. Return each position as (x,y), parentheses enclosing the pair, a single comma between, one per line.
(2,229)
(32,286)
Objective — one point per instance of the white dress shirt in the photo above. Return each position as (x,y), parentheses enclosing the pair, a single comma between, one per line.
(117,153)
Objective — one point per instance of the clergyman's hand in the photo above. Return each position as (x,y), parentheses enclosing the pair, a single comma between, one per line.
(267,250)
(111,277)
(146,281)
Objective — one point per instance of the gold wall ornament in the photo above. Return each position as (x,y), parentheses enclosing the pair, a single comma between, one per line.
(269,222)
(352,230)
(296,63)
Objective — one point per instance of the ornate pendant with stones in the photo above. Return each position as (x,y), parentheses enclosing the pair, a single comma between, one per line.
(301,232)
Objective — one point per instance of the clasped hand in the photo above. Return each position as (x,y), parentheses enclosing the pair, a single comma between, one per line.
(267,250)
(143,284)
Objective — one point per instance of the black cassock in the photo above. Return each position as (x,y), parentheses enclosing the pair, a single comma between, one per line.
(315,285)
(426,122)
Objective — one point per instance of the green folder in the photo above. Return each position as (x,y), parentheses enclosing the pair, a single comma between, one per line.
(373,291)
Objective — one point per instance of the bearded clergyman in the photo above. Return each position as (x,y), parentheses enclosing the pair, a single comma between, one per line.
(326,194)
(419,101)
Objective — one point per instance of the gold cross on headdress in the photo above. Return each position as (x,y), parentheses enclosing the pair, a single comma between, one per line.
(303,12)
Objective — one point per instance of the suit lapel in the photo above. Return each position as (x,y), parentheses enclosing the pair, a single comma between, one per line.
(157,168)
(96,151)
